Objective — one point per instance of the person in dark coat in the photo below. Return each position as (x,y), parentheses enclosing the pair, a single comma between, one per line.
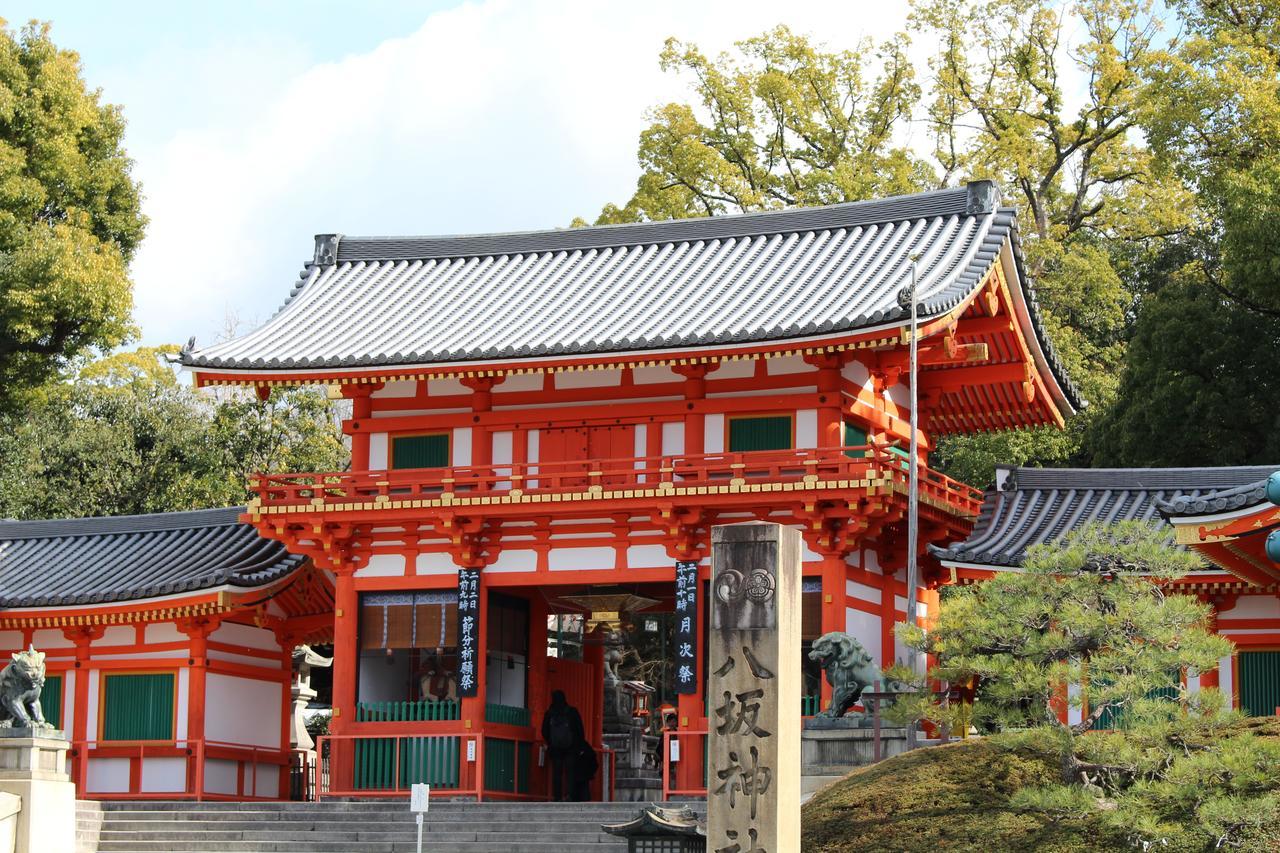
(583,767)
(563,733)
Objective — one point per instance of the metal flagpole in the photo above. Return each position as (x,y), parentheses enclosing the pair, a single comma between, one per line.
(913,488)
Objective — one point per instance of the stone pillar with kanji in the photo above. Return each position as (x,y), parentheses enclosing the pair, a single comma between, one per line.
(753,687)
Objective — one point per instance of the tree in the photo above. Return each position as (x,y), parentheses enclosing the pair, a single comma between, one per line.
(1090,611)
(1083,611)
(784,124)
(70,218)
(127,438)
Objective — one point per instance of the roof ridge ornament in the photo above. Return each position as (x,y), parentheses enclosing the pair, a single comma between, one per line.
(326,249)
(981,197)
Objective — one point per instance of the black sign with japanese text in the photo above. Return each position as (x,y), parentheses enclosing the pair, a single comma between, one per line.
(468,630)
(686,634)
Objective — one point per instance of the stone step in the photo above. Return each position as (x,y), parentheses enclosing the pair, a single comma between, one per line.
(187,836)
(307,826)
(614,845)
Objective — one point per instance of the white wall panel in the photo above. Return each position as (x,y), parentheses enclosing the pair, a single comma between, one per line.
(221,776)
(160,775)
(502,448)
(461,444)
(246,635)
(866,627)
(163,632)
(862,591)
(572,559)
(243,710)
(379,455)
(589,379)
(11,640)
(382,566)
(435,563)
(807,428)
(654,375)
(397,388)
(713,439)
(673,438)
(788,364)
(51,638)
(648,557)
(108,775)
(514,560)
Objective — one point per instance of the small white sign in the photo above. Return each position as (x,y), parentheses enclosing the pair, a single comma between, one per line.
(471,751)
(675,750)
(419,798)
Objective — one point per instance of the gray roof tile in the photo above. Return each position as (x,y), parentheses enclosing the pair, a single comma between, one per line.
(1038,505)
(95,560)
(376,301)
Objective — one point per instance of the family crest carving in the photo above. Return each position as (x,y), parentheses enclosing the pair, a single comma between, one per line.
(21,682)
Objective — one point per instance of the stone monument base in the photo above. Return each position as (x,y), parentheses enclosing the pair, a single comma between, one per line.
(840,749)
(33,766)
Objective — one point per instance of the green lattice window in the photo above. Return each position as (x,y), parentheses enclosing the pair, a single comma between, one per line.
(420,451)
(855,436)
(771,432)
(138,706)
(1259,683)
(51,700)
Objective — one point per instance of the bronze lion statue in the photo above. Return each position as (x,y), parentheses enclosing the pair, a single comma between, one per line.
(849,669)
(20,684)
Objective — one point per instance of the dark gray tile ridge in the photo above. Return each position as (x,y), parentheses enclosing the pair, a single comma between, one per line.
(1220,500)
(1228,477)
(107,524)
(945,202)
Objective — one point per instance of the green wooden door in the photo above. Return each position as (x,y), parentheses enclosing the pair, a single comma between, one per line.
(420,451)
(138,706)
(51,700)
(772,432)
(1259,683)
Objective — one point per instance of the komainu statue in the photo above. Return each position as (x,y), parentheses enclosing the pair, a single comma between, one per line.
(20,684)
(849,669)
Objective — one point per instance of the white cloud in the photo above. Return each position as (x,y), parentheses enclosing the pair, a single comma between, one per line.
(492,116)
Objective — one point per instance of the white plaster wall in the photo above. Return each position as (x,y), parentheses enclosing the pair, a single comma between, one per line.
(379,455)
(245,635)
(164,774)
(654,375)
(262,780)
(1225,682)
(69,700)
(115,635)
(242,660)
(1254,607)
(866,627)
(461,443)
(743,368)
(589,379)
(807,554)
(108,775)
(163,632)
(807,428)
(50,638)
(184,704)
(11,640)
(381,566)
(899,394)
(397,388)
(382,679)
(713,438)
(445,387)
(514,560)
(520,382)
(91,702)
(857,373)
(862,591)
(1193,682)
(435,563)
(534,443)
(220,776)
(871,562)
(641,442)
(648,556)
(572,559)
(789,364)
(243,710)
(672,438)
(502,443)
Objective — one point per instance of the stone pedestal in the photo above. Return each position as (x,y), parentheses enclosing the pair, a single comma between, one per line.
(834,751)
(33,766)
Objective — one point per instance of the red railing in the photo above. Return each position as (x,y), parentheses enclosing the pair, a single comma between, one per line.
(323,490)
(684,763)
(195,755)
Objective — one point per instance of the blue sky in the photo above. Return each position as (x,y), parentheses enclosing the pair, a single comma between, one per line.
(256,125)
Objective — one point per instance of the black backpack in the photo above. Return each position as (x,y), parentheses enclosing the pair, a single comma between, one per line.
(560,733)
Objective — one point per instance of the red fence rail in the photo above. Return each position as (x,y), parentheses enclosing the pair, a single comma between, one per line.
(798,466)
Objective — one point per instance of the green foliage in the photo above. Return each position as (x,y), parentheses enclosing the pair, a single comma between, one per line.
(127,438)
(783,124)
(1083,611)
(70,217)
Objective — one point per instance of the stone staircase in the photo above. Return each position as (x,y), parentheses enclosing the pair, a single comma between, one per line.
(341,826)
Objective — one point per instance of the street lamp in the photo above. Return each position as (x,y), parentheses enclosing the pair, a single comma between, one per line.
(907,299)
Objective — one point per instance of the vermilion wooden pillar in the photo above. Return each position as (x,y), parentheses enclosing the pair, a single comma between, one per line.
(198,631)
(834,572)
(1209,678)
(361,409)
(346,660)
(83,637)
(538,696)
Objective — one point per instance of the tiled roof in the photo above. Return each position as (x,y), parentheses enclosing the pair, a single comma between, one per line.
(1219,500)
(95,560)
(1031,506)
(779,275)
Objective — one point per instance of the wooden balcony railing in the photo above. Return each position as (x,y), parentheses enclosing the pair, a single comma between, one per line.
(803,468)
